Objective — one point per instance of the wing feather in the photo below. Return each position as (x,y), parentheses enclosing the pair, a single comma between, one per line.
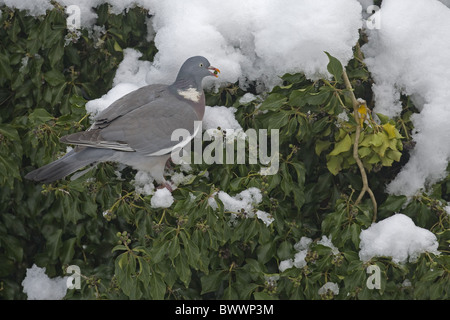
(146,129)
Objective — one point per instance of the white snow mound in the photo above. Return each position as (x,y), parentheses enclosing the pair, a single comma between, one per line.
(397,237)
(38,286)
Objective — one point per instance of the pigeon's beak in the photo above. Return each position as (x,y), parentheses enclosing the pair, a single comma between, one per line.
(215,72)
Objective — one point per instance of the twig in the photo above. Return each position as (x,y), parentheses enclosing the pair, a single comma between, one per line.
(365,181)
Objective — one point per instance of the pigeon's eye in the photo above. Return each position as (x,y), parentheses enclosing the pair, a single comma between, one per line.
(200,65)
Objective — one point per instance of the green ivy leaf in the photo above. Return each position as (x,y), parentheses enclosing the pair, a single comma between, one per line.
(265,252)
(157,286)
(273,102)
(54,77)
(334,67)
(5,68)
(39,116)
(278,120)
(212,281)
(56,53)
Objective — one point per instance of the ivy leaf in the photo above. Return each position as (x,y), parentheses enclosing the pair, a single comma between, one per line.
(265,252)
(174,248)
(54,242)
(54,77)
(377,139)
(263,296)
(183,270)
(334,67)
(157,286)
(394,155)
(390,129)
(212,281)
(297,97)
(117,47)
(321,146)
(278,120)
(334,164)
(13,247)
(364,152)
(9,131)
(273,102)
(342,146)
(318,98)
(39,116)
(5,69)
(56,53)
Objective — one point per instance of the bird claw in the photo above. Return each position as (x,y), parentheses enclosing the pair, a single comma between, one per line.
(166,185)
(169,163)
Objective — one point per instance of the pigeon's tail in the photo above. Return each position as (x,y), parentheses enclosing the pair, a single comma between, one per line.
(69,163)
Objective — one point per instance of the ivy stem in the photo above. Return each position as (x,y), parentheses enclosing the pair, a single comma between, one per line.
(365,181)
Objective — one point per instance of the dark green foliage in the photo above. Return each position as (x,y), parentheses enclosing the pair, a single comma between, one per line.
(126,249)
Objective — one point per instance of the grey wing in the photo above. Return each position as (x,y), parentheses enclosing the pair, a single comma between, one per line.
(128,103)
(147,129)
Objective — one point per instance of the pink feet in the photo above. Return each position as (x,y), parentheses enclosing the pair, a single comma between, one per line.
(165,185)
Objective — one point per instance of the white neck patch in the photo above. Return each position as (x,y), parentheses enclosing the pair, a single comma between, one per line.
(190,94)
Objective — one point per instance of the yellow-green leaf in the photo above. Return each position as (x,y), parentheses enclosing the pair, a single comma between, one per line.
(334,164)
(321,146)
(381,150)
(364,152)
(377,139)
(394,155)
(386,162)
(342,146)
(374,159)
(117,46)
(390,129)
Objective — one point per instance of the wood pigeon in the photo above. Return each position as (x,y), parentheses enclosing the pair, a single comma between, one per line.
(136,129)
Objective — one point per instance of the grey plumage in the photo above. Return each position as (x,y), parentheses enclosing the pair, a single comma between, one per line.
(136,129)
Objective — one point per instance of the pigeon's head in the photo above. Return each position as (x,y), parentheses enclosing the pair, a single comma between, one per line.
(195,69)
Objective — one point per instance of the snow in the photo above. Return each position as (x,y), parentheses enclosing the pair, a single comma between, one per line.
(332,286)
(447,210)
(327,243)
(33,7)
(246,200)
(220,117)
(408,55)
(162,198)
(342,118)
(38,286)
(242,38)
(178,178)
(397,237)
(132,70)
(286,264)
(302,248)
(264,217)
(298,261)
(271,280)
(303,244)
(247,98)
(143,183)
